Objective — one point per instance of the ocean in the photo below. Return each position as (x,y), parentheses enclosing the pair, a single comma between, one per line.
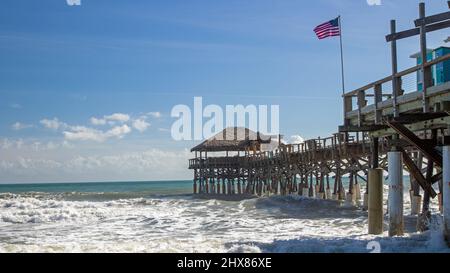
(165,217)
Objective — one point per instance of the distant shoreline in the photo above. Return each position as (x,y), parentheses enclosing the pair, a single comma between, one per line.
(92,182)
(102,182)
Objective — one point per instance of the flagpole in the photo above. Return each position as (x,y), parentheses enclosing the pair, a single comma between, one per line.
(342,70)
(342,56)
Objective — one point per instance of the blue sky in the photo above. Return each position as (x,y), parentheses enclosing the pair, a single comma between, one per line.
(63,65)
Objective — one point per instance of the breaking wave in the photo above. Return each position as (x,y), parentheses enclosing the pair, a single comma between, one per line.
(142,222)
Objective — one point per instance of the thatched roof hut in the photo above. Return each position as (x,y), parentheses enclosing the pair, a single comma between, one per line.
(233,139)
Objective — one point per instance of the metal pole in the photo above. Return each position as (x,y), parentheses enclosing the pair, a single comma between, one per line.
(342,57)
(343,74)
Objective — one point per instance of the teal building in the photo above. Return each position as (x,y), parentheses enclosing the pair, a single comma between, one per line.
(440,72)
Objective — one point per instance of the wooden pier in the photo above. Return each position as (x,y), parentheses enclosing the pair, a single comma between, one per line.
(386,128)
(289,169)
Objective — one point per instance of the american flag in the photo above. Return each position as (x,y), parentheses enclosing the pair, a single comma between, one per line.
(328,29)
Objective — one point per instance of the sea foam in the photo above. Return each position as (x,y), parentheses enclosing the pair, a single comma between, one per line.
(43,222)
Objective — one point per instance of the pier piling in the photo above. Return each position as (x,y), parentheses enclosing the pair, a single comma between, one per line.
(446,192)
(395,171)
(375,200)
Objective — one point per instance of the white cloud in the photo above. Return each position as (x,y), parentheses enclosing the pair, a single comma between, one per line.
(275,140)
(98,121)
(121,125)
(140,124)
(53,124)
(118,131)
(110,119)
(5,143)
(20,126)
(16,145)
(296,139)
(151,164)
(118,117)
(155,114)
(82,133)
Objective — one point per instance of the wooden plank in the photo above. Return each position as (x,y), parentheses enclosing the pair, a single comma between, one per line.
(415,117)
(407,103)
(378,89)
(404,143)
(425,71)
(432,19)
(369,128)
(436,177)
(418,126)
(417,174)
(427,149)
(362,102)
(348,107)
(438,26)
(368,86)
(416,31)
(399,74)
(394,63)
(402,34)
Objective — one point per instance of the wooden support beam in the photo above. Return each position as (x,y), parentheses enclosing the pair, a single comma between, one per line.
(362,178)
(429,176)
(375,153)
(425,71)
(427,149)
(416,117)
(432,19)
(415,171)
(378,97)
(404,143)
(395,80)
(417,126)
(416,31)
(363,128)
(436,178)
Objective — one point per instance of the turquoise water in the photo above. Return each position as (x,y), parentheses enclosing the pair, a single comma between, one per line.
(146,187)
(142,188)
(149,187)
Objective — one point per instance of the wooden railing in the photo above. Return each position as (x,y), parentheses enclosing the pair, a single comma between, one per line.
(374,90)
(335,142)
